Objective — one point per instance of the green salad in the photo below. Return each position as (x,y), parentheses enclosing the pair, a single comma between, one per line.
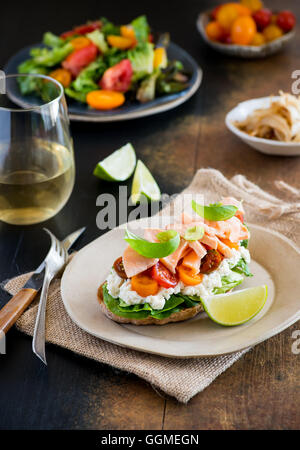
(103,64)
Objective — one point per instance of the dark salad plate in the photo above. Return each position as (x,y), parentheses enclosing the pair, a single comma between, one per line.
(131,109)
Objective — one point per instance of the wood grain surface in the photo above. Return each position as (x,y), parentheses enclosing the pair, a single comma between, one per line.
(262,390)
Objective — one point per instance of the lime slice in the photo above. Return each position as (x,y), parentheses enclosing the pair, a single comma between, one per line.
(237,307)
(118,166)
(144,184)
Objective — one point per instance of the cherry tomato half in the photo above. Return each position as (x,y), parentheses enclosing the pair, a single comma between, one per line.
(144,284)
(82,29)
(163,276)
(119,267)
(188,276)
(211,261)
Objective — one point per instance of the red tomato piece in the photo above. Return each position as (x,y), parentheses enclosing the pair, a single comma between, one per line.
(82,29)
(262,18)
(286,20)
(118,77)
(79,59)
(163,276)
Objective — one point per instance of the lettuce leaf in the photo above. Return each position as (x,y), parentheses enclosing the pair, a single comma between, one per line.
(99,40)
(108,27)
(229,282)
(51,40)
(141,28)
(141,58)
(49,58)
(86,80)
(242,267)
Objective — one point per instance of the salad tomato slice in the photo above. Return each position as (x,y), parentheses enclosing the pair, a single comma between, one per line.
(163,276)
(82,29)
(118,77)
(80,58)
(188,276)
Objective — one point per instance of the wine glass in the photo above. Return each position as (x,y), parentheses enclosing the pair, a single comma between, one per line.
(37,170)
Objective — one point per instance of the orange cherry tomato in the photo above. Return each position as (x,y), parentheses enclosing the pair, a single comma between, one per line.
(188,276)
(243,30)
(272,32)
(105,100)
(226,15)
(62,75)
(214,31)
(258,39)
(254,5)
(160,58)
(144,285)
(80,42)
(121,42)
(127,31)
(230,244)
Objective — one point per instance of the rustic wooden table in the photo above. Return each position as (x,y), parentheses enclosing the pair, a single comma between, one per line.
(259,391)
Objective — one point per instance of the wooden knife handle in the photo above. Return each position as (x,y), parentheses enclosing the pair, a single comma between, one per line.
(15,307)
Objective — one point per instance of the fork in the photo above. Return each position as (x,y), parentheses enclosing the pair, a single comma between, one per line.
(54,262)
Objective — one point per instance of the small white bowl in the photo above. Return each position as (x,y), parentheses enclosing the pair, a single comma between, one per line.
(243,51)
(268,146)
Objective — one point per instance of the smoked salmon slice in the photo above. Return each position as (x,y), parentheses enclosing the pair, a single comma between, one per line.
(135,263)
(171,261)
(192,261)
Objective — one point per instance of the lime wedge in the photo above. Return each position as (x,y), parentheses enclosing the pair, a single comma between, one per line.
(144,185)
(237,307)
(118,166)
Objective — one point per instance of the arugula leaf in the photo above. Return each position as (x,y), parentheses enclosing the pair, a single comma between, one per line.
(194,233)
(214,212)
(242,267)
(228,283)
(141,28)
(153,249)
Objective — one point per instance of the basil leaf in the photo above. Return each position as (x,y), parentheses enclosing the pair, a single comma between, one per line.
(194,233)
(214,212)
(152,249)
(242,267)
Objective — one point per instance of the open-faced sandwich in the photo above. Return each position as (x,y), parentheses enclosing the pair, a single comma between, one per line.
(162,277)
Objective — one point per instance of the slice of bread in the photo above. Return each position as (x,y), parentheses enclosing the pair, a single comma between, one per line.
(184,314)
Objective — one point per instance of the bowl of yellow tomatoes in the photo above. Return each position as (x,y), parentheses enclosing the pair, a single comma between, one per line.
(246,29)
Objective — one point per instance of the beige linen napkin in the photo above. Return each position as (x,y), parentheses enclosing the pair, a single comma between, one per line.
(180,378)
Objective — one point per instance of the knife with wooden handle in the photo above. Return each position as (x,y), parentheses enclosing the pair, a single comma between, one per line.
(10,312)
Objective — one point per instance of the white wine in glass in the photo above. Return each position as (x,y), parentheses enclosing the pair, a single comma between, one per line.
(36,154)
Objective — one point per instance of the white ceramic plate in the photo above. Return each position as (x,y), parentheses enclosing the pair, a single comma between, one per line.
(268,146)
(243,51)
(275,263)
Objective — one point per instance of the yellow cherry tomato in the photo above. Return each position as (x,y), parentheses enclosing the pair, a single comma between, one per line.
(127,31)
(144,285)
(272,32)
(214,31)
(121,42)
(62,75)
(229,12)
(243,30)
(254,5)
(258,39)
(188,276)
(80,42)
(105,100)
